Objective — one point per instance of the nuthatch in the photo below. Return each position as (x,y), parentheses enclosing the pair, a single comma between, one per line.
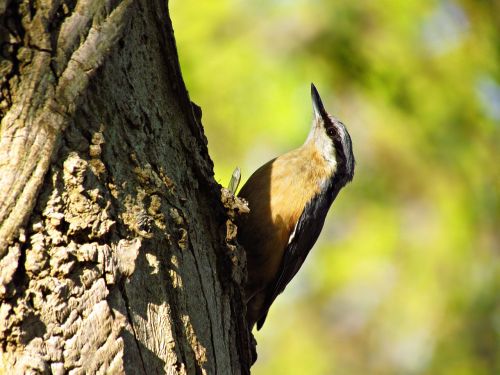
(289,198)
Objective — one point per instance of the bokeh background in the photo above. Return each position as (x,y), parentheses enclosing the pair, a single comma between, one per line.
(405,278)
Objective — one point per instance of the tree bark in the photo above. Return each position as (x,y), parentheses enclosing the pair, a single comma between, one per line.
(117,253)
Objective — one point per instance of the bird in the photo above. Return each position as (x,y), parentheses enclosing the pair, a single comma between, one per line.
(289,198)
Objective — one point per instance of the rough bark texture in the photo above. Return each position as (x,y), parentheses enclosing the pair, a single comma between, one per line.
(116,251)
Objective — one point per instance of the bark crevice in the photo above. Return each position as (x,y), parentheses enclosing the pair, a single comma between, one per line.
(131,322)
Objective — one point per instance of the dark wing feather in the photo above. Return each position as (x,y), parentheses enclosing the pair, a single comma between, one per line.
(303,239)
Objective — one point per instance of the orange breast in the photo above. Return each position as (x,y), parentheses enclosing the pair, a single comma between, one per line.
(277,194)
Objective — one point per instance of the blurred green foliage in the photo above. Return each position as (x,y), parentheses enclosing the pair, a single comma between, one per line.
(405,278)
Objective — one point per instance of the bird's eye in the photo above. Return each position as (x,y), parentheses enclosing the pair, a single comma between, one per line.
(330,132)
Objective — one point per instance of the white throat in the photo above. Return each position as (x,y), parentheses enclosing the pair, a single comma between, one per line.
(323,144)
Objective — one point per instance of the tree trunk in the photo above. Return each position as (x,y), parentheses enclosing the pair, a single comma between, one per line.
(116,251)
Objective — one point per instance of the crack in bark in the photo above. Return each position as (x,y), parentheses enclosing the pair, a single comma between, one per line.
(198,271)
(39,49)
(131,322)
(206,307)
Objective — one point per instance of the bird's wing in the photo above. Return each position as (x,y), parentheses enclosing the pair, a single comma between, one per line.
(301,241)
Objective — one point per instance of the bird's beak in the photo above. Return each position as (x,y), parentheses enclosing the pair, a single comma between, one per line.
(319,109)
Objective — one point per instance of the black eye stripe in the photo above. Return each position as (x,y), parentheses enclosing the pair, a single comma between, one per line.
(337,132)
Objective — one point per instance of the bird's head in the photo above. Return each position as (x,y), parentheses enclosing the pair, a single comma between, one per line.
(331,139)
